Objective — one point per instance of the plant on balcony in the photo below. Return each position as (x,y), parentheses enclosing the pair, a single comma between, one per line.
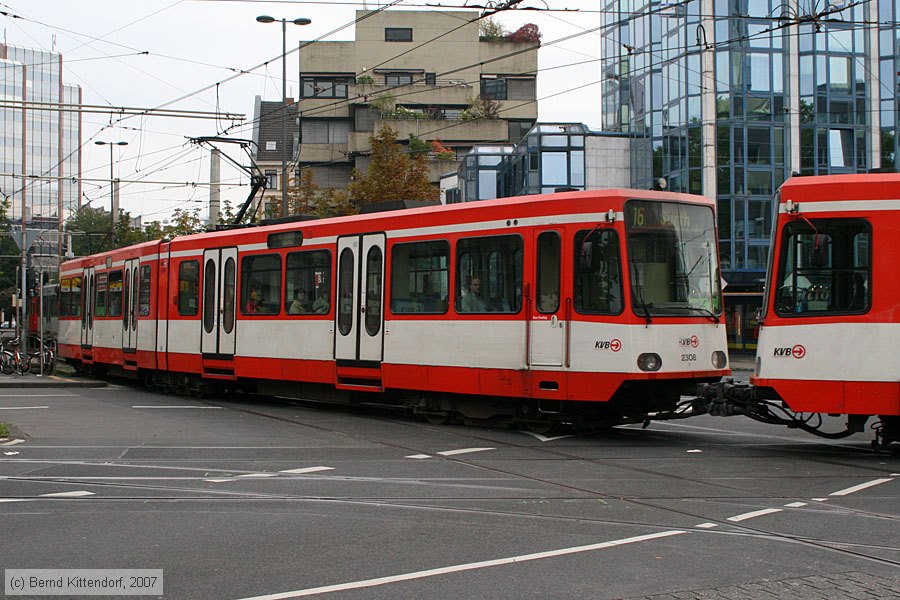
(401,112)
(481,108)
(417,145)
(384,103)
(440,151)
(365,80)
(528,34)
(490,30)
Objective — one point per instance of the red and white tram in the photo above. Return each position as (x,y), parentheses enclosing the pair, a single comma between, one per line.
(600,306)
(829,332)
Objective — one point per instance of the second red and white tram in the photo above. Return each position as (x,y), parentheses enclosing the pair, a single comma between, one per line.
(578,307)
(831,317)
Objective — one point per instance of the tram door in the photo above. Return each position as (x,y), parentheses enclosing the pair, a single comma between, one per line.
(359,318)
(87,308)
(547,318)
(130,312)
(217,337)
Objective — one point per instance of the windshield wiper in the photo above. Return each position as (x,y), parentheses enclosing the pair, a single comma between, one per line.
(646,308)
(705,311)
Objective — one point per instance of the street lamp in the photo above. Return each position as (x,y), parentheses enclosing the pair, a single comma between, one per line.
(284,177)
(112,199)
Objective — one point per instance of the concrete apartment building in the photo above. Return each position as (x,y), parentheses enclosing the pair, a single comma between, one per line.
(416,71)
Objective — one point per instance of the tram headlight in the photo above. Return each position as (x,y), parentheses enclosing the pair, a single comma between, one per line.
(649,362)
(719,360)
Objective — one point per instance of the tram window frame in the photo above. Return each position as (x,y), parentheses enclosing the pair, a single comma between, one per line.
(65,296)
(498,284)
(144,296)
(75,295)
(189,288)
(612,255)
(819,295)
(549,272)
(414,288)
(266,279)
(100,293)
(312,275)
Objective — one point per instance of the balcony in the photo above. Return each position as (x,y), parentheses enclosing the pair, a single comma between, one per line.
(447,130)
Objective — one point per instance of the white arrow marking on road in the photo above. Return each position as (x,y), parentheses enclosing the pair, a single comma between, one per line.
(367,583)
(78,494)
(419,456)
(544,438)
(307,470)
(463,451)
(859,487)
(13,442)
(755,513)
(795,504)
(706,525)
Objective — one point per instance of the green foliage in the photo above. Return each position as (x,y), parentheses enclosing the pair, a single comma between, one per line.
(490,30)
(305,197)
(393,173)
(417,145)
(481,108)
(384,103)
(365,80)
(4,430)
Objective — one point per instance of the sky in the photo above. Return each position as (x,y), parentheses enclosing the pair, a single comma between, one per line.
(212,55)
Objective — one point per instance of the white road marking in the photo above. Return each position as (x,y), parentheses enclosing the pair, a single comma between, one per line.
(218,480)
(754,514)
(2,500)
(795,504)
(694,451)
(895,474)
(257,475)
(706,525)
(307,470)
(419,456)
(13,442)
(79,494)
(22,407)
(10,453)
(463,451)
(818,499)
(166,407)
(367,583)
(36,395)
(859,487)
(544,438)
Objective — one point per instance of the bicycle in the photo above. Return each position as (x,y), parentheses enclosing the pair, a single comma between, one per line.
(12,359)
(47,356)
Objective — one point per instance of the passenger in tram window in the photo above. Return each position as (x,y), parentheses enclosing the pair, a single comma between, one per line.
(858,300)
(252,306)
(320,305)
(299,306)
(473,302)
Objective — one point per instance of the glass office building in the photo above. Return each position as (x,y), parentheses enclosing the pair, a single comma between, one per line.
(40,124)
(734,96)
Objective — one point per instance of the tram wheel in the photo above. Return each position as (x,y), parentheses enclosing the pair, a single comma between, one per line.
(541,427)
(441,418)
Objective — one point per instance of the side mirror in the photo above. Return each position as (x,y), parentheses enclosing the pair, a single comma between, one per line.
(587,255)
(819,256)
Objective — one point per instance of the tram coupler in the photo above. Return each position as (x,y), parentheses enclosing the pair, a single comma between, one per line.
(726,398)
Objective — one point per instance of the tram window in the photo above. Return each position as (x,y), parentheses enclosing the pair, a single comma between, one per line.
(548,265)
(75,297)
(189,287)
(65,296)
(144,300)
(345,291)
(307,282)
(489,274)
(598,276)
(825,267)
(420,277)
(228,291)
(374,270)
(100,296)
(261,284)
(209,296)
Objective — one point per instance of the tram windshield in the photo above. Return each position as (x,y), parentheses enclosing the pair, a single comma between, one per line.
(673,259)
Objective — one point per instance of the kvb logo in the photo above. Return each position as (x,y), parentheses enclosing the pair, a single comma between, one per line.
(692,341)
(695,341)
(614,345)
(797,351)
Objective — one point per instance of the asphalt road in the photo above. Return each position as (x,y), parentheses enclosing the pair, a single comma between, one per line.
(242,499)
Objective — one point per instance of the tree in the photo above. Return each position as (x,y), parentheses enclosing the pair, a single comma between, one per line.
(490,30)
(393,174)
(529,34)
(9,257)
(90,230)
